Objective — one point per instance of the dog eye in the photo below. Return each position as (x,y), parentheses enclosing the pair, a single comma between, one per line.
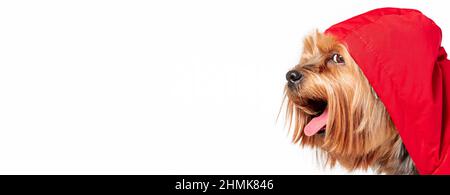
(336,58)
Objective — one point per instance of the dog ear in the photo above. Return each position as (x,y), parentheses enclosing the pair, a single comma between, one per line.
(310,42)
(327,44)
(316,43)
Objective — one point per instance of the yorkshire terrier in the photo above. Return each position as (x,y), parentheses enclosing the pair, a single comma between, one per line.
(331,106)
(373,91)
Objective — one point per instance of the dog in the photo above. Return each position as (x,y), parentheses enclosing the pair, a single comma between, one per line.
(373,91)
(331,106)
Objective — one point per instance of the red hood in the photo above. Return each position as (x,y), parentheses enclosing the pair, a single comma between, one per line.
(400,53)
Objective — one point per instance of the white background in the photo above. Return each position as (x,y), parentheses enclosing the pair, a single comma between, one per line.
(158,87)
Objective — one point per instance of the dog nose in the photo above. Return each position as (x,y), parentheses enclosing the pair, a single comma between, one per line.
(293,76)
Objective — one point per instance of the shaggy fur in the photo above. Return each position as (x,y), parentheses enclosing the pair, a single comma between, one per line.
(359,133)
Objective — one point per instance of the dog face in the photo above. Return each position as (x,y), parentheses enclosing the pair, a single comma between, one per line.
(331,106)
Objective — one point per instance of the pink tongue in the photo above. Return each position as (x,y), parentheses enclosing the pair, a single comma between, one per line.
(316,123)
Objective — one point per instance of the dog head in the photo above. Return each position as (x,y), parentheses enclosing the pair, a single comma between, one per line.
(331,105)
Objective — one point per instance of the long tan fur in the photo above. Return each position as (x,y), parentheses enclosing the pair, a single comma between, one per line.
(359,132)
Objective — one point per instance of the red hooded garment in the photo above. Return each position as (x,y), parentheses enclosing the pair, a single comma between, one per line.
(400,53)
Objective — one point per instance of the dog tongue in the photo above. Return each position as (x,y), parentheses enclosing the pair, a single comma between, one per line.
(316,123)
